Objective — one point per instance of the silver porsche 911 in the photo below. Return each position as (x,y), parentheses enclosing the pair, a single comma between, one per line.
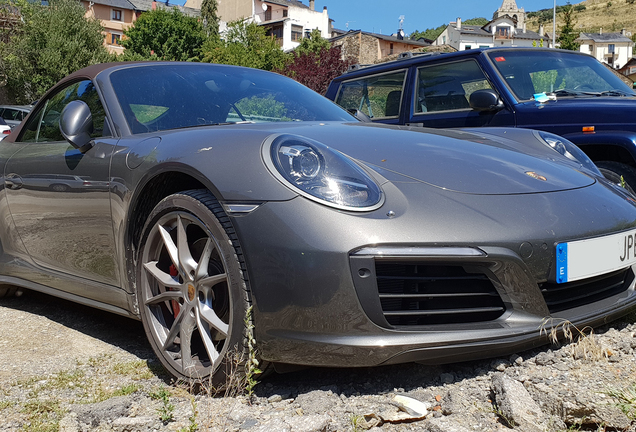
(226,206)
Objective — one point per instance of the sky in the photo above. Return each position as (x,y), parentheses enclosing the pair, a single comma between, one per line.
(383,16)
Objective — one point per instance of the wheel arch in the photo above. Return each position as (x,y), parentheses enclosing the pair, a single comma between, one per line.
(151,190)
(616,147)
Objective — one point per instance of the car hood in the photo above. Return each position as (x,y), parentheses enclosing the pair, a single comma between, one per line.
(605,113)
(452,160)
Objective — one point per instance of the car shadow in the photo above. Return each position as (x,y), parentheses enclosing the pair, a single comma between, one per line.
(116,330)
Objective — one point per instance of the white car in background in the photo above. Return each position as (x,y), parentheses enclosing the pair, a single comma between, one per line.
(13,114)
(5,129)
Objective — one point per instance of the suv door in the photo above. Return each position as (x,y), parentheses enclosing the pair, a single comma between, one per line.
(441,97)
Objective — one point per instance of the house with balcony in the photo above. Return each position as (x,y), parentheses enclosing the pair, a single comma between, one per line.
(287,20)
(500,32)
(614,49)
(507,28)
(116,16)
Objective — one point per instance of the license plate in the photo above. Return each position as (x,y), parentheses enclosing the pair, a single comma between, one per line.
(583,259)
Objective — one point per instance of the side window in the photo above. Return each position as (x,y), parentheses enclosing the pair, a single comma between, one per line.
(11,114)
(44,125)
(378,96)
(448,86)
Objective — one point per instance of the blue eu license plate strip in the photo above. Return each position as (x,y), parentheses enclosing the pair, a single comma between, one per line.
(562,262)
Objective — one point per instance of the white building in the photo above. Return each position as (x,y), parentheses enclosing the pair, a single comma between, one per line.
(615,49)
(287,20)
(507,28)
(499,32)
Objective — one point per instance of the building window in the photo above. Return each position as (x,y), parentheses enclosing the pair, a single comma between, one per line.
(115,39)
(297,33)
(502,32)
(444,40)
(284,13)
(116,15)
(268,14)
(611,48)
(591,47)
(468,47)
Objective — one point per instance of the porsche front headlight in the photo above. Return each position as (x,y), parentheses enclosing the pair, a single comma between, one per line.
(321,173)
(569,150)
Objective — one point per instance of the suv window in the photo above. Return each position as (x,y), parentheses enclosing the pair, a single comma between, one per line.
(377,96)
(448,86)
(44,125)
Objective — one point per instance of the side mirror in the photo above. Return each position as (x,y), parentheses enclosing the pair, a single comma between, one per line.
(486,100)
(76,125)
(360,115)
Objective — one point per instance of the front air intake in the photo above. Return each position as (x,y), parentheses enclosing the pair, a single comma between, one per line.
(416,294)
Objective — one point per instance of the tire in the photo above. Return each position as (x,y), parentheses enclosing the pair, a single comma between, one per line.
(10,291)
(192,291)
(59,188)
(613,171)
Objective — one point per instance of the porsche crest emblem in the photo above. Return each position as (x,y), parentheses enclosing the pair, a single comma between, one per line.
(191,292)
(536,176)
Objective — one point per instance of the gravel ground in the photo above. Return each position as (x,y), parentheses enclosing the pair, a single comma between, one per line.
(71,368)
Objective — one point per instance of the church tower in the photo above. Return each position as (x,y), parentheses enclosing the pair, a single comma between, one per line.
(509,7)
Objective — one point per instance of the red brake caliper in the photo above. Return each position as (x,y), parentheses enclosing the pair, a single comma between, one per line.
(175,304)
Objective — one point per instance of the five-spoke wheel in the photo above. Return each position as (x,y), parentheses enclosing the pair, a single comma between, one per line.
(191,291)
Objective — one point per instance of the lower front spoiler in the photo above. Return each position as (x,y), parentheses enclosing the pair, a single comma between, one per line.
(442,346)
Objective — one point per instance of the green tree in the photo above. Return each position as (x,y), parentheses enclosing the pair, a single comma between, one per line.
(166,34)
(431,33)
(245,44)
(209,9)
(477,21)
(50,43)
(567,37)
(312,43)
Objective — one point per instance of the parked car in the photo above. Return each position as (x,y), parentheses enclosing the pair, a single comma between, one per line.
(14,114)
(564,92)
(5,129)
(325,240)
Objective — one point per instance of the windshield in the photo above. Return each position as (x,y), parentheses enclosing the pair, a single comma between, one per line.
(528,72)
(170,96)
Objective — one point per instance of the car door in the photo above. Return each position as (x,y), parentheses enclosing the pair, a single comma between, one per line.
(59,198)
(441,97)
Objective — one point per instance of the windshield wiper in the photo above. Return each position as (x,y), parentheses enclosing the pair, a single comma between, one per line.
(566,92)
(615,92)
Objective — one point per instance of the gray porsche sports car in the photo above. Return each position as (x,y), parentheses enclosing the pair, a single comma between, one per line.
(236,205)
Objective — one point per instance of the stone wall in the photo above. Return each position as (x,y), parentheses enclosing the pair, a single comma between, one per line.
(364,49)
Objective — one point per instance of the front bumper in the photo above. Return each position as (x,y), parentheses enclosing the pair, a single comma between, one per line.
(317,300)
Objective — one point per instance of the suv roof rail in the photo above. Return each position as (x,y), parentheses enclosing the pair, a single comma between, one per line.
(401,56)
(410,54)
(357,66)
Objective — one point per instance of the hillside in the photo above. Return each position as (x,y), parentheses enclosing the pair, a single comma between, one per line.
(611,16)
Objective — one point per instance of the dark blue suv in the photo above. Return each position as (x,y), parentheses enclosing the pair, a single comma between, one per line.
(563,92)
